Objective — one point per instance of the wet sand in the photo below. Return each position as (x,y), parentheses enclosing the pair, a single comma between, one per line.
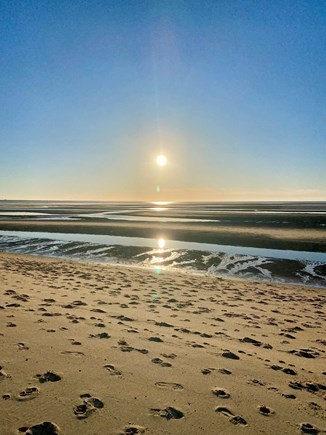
(96,349)
(309,239)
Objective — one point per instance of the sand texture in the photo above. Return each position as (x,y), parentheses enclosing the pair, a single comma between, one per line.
(94,349)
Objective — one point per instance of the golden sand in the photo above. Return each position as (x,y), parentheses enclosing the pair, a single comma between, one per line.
(96,349)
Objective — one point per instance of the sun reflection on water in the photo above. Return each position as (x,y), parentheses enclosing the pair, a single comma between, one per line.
(161,243)
(159,208)
(156,257)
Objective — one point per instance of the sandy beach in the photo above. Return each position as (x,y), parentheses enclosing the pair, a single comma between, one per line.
(97,349)
(162,217)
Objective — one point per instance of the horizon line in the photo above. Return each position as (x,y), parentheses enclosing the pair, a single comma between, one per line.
(165,202)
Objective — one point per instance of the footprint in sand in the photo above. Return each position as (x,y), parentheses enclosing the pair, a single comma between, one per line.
(265,410)
(168,413)
(156,339)
(225,371)
(74,342)
(22,346)
(160,362)
(28,394)
(48,377)
(207,371)
(314,406)
(309,428)
(289,396)
(45,428)
(100,335)
(220,392)
(98,310)
(230,355)
(237,419)
(169,385)
(169,355)
(234,419)
(224,411)
(126,348)
(132,430)
(251,341)
(112,370)
(90,404)
(70,352)
(305,353)
(289,371)
(143,351)
(9,292)
(13,305)
(3,374)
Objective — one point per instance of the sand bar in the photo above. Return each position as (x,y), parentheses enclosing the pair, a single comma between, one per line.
(304,239)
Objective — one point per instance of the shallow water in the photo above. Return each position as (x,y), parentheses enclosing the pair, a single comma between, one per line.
(305,214)
(167,244)
(271,264)
(185,236)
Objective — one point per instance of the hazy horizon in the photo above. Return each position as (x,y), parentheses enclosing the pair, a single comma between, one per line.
(160,203)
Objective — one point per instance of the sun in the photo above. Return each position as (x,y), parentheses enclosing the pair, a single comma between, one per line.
(161,160)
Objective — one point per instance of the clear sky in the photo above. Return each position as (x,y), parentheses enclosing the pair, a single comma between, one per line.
(233,93)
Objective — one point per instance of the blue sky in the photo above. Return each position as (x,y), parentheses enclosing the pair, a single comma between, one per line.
(233,92)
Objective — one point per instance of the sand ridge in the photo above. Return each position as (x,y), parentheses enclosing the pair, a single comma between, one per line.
(96,349)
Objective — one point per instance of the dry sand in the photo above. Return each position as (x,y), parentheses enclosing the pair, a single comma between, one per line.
(96,349)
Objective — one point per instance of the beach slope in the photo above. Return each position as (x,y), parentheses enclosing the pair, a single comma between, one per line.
(96,349)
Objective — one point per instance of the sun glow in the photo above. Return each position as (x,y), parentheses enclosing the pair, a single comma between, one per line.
(161,160)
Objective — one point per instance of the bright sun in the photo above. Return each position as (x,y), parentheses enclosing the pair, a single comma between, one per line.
(161,160)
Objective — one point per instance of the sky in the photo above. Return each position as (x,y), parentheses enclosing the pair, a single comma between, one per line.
(232,92)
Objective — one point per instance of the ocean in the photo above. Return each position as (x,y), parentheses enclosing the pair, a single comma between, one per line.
(281,242)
